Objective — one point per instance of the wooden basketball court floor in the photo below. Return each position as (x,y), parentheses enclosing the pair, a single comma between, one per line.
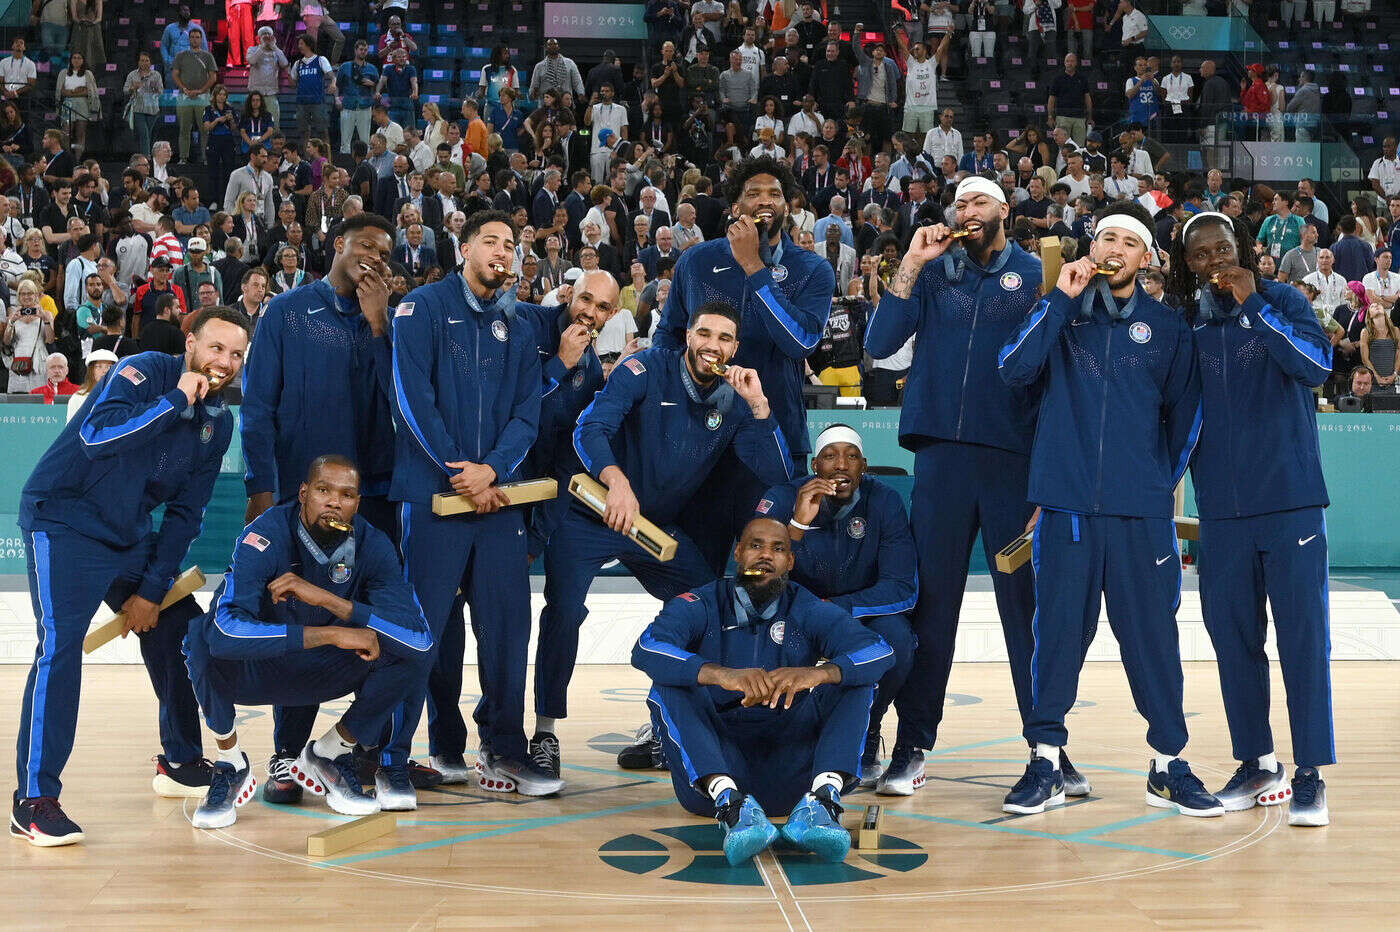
(615,851)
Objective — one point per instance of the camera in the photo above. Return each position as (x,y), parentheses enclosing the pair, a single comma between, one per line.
(28,311)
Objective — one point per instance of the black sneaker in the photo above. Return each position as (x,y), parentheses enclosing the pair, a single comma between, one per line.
(184,781)
(1040,787)
(422,776)
(41,821)
(281,787)
(1178,788)
(1076,784)
(646,754)
(544,752)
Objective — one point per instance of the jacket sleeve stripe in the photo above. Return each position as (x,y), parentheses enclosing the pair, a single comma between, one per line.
(1313,354)
(1037,316)
(794,329)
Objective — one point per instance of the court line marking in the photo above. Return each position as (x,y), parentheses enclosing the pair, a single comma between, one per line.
(796,901)
(768,885)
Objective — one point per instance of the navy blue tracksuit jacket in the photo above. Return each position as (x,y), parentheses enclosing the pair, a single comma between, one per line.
(1259,488)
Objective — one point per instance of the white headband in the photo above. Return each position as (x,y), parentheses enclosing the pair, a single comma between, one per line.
(839,433)
(1224,218)
(976,184)
(1127,224)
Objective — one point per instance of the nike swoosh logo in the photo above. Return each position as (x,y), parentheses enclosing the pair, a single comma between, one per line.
(720,268)
(1079,323)
(316,310)
(457,321)
(1303,540)
(1164,559)
(669,404)
(1161,791)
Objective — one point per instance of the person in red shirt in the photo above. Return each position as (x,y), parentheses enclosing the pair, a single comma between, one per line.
(1255,96)
(57,385)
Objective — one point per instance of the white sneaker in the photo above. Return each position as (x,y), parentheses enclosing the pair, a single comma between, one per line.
(394,789)
(905,773)
(499,775)
(334,779)
(454,769)
(230,789)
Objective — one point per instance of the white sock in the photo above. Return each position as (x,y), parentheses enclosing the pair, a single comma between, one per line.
(234,756)
(1050,753)
(545,724)
(719,784)
(331,744)
(828,778)
(1162,761)
(1268,762)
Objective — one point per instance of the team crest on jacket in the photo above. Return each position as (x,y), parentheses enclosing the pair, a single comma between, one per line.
(1139,332)
(776,630)
(499,330)
(206,433)
(578,379)
(856,528)
(779,273)
(714,419)
(340,571)
(1011,281)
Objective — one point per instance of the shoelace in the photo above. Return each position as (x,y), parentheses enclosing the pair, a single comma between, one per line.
(1304,789)
(902,758)
(396,774)
(349,774)
(1188,783)
(47,807)
(220,785)
(830,803)
(729,811)
(279,768)
(546,750)
(1241,777)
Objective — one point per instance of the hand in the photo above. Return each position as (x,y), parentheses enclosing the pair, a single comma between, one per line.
(809,499)
(1239,283)
(258,502)
(1076,276)
(743,242)
(746,383)
(373,291)
(1035,516)
(789,681)
(193,385)
(633,347)
(141,615)
(928,244)
(621,507)
(489,500)
(473,479)
(290,585)
(756,684)
(573,343)
(363,641)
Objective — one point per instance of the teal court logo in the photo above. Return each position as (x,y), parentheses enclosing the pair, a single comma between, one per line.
(695,854)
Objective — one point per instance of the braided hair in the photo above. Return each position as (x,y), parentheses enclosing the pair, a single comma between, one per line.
(1182,285)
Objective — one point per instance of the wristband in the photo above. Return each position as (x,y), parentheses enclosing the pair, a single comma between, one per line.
(793,522)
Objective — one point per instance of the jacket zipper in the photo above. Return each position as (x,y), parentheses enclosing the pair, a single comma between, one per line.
(1229,419)
(478,393)
(1103,418)
(967,365)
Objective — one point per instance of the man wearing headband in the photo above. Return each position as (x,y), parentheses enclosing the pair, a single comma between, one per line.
(1261,495)
(155,434)
(971,437)
(1119,417)
(752,720)
(313,607)
(852,547)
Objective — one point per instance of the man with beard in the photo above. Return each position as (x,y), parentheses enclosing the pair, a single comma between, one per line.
(782,296)
(851,540)
(751,717)
(319,382)
(971,438)
(653,436)
(1103,489)
(314,607)
(466,377)
(154,435)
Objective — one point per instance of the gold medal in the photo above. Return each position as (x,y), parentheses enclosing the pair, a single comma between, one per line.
(337,525)
(1109,267)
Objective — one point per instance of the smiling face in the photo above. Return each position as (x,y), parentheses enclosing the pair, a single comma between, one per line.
(843,464)
(711,341)
(217,350)
(1113,246)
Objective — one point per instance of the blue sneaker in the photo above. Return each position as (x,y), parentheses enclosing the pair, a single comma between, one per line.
(815,825)
(1181,790)
(1040,787)
(747,830)
(1309,806)
(230,788)
(393,787)
(1252,785)
(905,773)
(336,779)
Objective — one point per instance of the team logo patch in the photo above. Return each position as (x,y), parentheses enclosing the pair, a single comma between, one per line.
(404,310)
(1244,322)
(764,506)
(1011,281)
(689,597)
(856,528)
(1140,332)
(714,419)
(340,572)
(256,541)
(206,433)
(776,630)
(779,273)
(499,330)
(636,366)
(578,379)
(133,375)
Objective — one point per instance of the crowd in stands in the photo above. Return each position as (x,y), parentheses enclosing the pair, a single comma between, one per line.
(623,165)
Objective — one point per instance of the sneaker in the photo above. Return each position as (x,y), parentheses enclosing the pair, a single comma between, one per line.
(452,767)
(747,830)
(41,821)
(905,773)
(281,787)
(393,788)
(1309,806)
(1076,784)
(182,781)
(544,753)
(1178,788)
(501,775)
(815,825)
(230,788)
(1251,785)
(422,776)
(645,754)
(334,779)
(870,767)
(1039,788)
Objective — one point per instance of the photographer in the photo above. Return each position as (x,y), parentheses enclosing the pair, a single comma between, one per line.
(28,331)
(838,356)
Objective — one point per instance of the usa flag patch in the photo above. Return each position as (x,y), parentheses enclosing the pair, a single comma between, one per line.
(763,506)
(689,597)
(636,366)
(133,375)
(256,541)
(404,310)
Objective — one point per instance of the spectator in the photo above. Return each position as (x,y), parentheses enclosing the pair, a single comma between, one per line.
(1069,103)
(1041,33)
(56,384)
(1134,28)
(1276,103)
(1300,261)
(75,95)
(604,115)
(28,331)
(113,338)
(240,31)
(836,217)
(1354,256)
(1141,91)
(831,81)
(663,248)
(1306,107)
(738,92)
(1331,287)
(555,72)
(143,301)
(163,333)
(18,74)
(1381,286)
(266,62)
(176,37)
(197,270)
(1282,230)
(944,140)
(97,365)
(1385,171)
(290,273)
(878,90)
(1362,386)
(839,253)
(838,355)
(395,39)
(397,89)
(193,72)
(982,18)
(315,86)
(1215,100)
(79,268)
(143,88)
(1304,206)
(1378,348)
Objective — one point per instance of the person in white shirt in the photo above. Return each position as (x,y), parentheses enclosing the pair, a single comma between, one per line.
(1331,287)
(1075,177)
(713,11)
(685,233)
(943,139)
(616,333)
(1134,25)
(920,92)
(1385,171)
(751,55)
(1176,119)
(769,119)
(1120,184)
(18,74)
(766,145)
(807,120)
(1382,285)
(604,114)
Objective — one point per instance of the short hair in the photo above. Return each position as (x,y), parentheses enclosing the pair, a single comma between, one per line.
(1347,224)
(718,308)
(578,178)
(760,165)
(92,239)
(480,218)
(366,219)
(112,315)
(165,302)
(228,315)
(331,459)
(255,270)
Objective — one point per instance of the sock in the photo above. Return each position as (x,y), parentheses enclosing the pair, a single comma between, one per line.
(1162,761)
(828,778)
(1050,753)
(233,755)
(719,784)
(331,744)
(542,723)
(1268,762)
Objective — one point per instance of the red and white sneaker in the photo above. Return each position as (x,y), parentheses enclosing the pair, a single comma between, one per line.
(231,789)
(336,780)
